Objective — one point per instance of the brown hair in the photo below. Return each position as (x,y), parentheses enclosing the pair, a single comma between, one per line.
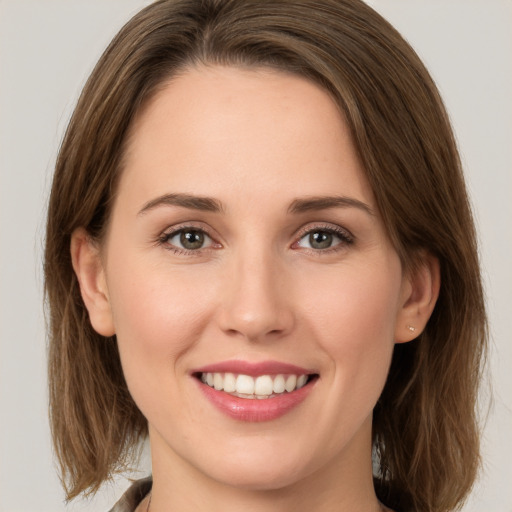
(426,440)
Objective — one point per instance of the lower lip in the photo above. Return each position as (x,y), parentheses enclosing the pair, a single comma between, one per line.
(255,410)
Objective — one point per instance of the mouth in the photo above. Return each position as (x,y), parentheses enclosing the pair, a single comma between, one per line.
(255,388)
(255,392)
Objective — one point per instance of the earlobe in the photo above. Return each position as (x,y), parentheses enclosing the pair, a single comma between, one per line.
(88,267)
(420,291)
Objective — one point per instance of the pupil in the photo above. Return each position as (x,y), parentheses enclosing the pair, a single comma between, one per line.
(192,239)
(320,240)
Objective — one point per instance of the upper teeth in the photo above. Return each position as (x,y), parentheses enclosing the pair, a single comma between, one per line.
(264,385)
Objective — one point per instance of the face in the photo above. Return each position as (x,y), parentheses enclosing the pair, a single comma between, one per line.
(250,283)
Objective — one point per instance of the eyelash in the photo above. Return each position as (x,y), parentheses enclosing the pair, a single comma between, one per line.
(165,237)
(346,239)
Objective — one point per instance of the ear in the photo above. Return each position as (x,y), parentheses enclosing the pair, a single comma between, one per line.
(88,267)
(420,290)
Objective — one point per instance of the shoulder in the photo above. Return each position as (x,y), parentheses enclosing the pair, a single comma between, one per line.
(133,496)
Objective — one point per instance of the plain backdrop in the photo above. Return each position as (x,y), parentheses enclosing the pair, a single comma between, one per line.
(47,49)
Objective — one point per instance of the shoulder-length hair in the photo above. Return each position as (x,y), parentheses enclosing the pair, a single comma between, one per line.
(425,433)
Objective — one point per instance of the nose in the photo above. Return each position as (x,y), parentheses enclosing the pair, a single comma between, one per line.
(257,299)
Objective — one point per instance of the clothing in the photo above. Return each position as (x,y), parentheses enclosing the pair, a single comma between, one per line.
(131,499)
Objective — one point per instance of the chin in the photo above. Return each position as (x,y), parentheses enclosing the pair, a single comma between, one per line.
(260,470)
(264,479)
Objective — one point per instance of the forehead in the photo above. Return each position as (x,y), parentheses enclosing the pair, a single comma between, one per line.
(214,129)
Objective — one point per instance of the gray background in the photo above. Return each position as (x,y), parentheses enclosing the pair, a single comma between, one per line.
(47,49)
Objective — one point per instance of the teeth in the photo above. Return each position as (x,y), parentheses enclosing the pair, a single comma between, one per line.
(229,383)
(301,381)
(291,382)
(218,381)
(279,384)
(244,384)
(261,387)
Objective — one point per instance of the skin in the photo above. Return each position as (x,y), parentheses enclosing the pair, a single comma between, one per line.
(255,141)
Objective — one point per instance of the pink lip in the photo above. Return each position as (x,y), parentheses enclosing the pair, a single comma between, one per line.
(253,369)
(254,410)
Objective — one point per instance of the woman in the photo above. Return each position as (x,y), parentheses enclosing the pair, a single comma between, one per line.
(260,253)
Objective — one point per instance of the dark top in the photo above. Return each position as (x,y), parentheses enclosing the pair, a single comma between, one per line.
(131,499)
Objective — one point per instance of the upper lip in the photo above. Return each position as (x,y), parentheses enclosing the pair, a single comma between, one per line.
(254,369)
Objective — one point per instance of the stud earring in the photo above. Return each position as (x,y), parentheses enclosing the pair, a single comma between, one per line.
(411,328)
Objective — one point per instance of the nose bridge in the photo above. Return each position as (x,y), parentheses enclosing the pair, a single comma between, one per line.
(256,304)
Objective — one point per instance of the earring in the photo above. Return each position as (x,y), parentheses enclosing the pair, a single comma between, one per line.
(411,328)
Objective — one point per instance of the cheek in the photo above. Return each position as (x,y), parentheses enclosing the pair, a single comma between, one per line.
(353,316)
(158,318)
(157,315)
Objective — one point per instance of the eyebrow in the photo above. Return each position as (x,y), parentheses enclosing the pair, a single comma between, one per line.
(209,204)
(326,202)
(205,204)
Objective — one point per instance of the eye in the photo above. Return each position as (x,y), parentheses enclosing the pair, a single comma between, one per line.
(320,239)
(188,239)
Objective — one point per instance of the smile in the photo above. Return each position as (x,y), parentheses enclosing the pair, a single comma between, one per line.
(255,392)
(248,387)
